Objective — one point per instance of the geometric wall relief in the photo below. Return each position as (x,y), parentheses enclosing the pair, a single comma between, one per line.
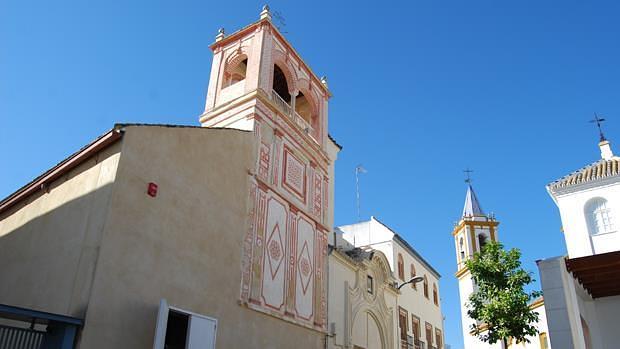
(248,247)
(263,161)
(320,318)
(317,194)
(274,250)
(283,254)
(325,199)
(305,269)
(294,175)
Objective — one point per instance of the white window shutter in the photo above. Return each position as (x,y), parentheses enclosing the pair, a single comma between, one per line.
(202,332)
(161,325)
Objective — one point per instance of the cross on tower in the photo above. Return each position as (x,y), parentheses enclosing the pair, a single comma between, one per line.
(468,173)
(598,121)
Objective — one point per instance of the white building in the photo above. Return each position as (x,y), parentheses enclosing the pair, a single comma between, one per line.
(583,289)
(414,308)
(475,229)
(362,298)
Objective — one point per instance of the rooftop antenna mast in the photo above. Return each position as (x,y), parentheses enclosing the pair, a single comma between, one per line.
(281,21)
(358,169)
(598,122)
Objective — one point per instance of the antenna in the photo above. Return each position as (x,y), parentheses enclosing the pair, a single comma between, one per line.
(281,21)
(598,121)
(358,169)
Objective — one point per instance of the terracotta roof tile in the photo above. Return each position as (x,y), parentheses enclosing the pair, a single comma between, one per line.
(595,171)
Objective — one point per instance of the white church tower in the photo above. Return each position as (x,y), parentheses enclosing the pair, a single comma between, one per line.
(589,202)
(473,231)
(585,285)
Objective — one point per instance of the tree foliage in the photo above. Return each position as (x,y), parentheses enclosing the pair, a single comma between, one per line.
(499,301)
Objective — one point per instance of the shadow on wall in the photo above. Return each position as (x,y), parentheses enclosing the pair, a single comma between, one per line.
(48,262)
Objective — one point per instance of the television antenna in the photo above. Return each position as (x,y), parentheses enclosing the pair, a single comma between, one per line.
(281,21)
(358,169)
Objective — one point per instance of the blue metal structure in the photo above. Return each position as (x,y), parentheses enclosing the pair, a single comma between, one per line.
(59,330)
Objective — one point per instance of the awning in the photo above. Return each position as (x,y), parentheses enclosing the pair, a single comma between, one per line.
(599,274)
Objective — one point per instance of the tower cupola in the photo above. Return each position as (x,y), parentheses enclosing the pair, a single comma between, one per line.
(474,229)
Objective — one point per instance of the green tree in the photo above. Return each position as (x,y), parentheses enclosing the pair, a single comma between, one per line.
(499,301)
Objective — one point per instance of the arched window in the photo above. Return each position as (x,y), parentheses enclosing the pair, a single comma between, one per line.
(401,267)
(482,240)
(425,286)
(599,216)
(413,284)
(307,111)
(461,249)
(438,338)
(235,71)
(303,107)
(280,85)
(435,295)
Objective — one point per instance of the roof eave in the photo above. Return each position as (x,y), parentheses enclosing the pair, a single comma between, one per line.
(407,246)
(75,159)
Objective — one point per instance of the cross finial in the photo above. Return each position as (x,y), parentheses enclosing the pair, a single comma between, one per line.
(468,175)
(598,121)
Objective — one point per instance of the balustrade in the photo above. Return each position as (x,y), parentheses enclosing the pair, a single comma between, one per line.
(288,111)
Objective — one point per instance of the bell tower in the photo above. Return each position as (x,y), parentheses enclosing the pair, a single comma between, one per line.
(256,71)
(471,233)
(259,83)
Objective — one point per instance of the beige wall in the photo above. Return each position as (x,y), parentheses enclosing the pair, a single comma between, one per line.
(49,243)
(97,226)
(183,245)
(342,275)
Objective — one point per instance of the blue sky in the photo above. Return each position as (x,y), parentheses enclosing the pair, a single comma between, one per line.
(422,89)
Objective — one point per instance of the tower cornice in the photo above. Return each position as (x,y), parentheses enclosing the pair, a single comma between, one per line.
(461,272)
(318,154)
(471,223)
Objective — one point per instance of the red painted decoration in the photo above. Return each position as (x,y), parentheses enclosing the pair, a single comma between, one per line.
(152,189)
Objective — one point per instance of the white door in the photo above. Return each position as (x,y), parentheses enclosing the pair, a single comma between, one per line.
(160,327)
(201,334)
(201,330)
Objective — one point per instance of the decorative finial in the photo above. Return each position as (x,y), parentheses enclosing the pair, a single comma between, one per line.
(468,175)
(324,80)
(598,121)
(265,13)
(220,35)
(603,144)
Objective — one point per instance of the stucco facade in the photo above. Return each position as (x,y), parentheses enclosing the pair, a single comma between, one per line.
(49,244)
(97,247)
(582,290)
(362,300)
(418,316)
(227,222)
